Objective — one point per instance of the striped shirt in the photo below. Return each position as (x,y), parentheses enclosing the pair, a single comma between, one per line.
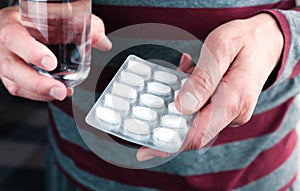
(260,155)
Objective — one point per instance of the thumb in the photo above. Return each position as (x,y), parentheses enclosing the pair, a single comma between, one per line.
(213,62)
(200,85)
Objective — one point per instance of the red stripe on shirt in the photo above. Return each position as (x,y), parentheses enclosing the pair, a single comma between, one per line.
(284,148)
(270,120)
(296,70)
(226,180)
(70,178)
(198,21)
(229,180)
(288,185)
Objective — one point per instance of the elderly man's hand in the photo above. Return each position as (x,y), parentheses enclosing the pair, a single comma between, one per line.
(17,48)
(234,65)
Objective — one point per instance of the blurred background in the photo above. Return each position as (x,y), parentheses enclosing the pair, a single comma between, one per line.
(23,126)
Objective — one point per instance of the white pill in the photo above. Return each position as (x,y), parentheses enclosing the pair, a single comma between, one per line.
(116,102)
(136,126)
(144,113)
(173,121)
(172,108)
(124,91)
(183,81)
(139,68)
(108,115)
(165,77)
(166,135)
(158,89)
(152,101)
(131,79)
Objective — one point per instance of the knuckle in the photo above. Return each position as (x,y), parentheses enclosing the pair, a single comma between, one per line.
(5,68)
(234,106)
(241,120)
(14,89)
(36,87)
(225,41)
(202,138)
(247,101)
(29,55)
(98,21)
(244,119)
(220,38)
(225,44)
(193,138)
(5,34)
(241,107)
(4,65)
(247,108)
(202,81)
(166,155)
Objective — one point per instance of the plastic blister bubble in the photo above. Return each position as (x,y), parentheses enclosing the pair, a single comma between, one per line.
(138,105)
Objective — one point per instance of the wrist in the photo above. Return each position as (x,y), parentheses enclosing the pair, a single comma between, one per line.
(267,28)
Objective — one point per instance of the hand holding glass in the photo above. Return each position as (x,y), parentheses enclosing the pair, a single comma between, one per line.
(64,27)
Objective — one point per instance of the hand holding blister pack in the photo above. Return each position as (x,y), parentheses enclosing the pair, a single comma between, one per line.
(138,106)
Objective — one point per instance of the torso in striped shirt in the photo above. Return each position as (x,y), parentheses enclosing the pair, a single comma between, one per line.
(260,155)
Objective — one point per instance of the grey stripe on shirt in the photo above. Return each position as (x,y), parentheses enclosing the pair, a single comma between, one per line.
(277,179)
(93,182)
(293,18)
(187,3)
(218,158)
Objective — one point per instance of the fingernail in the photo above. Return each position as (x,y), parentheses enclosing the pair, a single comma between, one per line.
(57,93)
(70,92)
(189,102)
(233,125)
(184,58)
(106,43)
(143,155)
(49,63)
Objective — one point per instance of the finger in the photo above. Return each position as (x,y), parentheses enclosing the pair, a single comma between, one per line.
(99,39)
(232,103)
(145,153)
(242,95)
(190,71)
(216,56)
(20,73)
(233,125)
(70,92)
(209,121)
(16,38)
(185,63)
(17,90)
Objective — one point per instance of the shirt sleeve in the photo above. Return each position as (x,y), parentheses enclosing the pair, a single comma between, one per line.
(289,65)
(6,3)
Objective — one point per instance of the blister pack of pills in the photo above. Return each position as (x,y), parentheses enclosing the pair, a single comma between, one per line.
(138,106)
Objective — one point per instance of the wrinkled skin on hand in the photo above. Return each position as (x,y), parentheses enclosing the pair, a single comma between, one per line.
(235,62)
(17,48)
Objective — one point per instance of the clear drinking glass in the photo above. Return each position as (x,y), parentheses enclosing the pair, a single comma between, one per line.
(64,27)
